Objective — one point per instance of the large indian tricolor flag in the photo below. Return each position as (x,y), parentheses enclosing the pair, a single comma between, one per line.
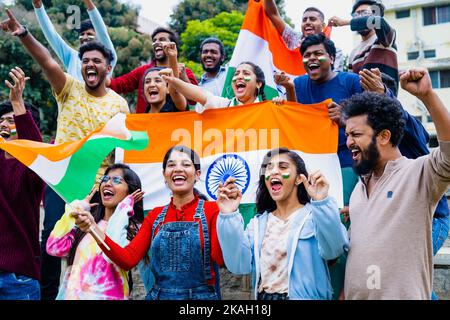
(233,142)
(259,42)
(230,142)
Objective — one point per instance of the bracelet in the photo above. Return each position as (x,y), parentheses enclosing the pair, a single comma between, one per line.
(24,33)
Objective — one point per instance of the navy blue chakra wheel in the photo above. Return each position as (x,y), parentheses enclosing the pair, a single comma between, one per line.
(229,165)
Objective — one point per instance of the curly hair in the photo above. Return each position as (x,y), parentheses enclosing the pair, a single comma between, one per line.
(383,113)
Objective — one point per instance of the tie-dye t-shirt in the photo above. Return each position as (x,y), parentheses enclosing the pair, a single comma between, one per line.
(80,113)
(92,275)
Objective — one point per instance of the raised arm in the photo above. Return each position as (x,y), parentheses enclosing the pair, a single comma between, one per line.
(188,90)
(272,12)
(417,82)
(100,29)
(178,99)
(40,54)
(64,52)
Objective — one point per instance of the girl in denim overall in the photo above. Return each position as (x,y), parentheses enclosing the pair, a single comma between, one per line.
(180,238)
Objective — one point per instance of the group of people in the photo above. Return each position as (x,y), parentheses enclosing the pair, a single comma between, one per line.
(300,244)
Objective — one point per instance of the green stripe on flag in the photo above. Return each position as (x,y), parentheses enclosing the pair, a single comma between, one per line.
(227,91)
(80,174)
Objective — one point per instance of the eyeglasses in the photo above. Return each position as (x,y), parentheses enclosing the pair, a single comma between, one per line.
(116,180)
(362,13)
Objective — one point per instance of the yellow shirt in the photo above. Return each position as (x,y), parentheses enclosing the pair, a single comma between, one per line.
(80,113)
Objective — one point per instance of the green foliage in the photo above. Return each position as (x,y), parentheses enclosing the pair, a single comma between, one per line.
(225,26)
(132,48)
(189,10)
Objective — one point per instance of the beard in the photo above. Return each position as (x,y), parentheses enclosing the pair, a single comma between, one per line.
(99,83)
(214,69)
(369,159)
(364,32)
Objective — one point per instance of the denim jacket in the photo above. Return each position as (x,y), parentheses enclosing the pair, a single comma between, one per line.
(317,235)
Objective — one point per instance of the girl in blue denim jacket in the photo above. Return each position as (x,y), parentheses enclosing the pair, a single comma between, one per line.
(287,247)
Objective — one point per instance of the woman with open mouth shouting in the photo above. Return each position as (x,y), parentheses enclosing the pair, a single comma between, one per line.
(248,87)
(91,275)
(297,231)
(181,236)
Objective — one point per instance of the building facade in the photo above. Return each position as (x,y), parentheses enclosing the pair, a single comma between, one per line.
(423,39)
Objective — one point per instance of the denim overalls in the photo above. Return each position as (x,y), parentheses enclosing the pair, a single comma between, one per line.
(176,259)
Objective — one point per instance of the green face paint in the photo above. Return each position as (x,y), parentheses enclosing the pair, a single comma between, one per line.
(247,79)
(13,130)
(234,79)
(305,61)
(267,177)
(286,176)
(322,59)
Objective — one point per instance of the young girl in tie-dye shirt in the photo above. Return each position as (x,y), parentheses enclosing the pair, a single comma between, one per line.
(90,274)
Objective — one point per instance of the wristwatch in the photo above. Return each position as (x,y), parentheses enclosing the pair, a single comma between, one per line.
(23,33)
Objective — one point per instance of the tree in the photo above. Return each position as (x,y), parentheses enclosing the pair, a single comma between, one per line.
(225,26)
(132,48)
(189,10)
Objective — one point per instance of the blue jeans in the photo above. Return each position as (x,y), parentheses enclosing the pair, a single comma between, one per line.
(17,287)
(440,232)
(50,266)
(272,296)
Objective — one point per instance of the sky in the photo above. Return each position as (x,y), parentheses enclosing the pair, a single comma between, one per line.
(343,37)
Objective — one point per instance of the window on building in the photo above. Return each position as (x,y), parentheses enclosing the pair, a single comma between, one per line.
(440,79)
(445,78)
(413,55)
(402,14)
(434,75)
(430,53)
(436,15)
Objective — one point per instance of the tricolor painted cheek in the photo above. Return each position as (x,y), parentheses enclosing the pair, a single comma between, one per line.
(246,79)
(322,59)
(12,127)
(305,61)
(286,176)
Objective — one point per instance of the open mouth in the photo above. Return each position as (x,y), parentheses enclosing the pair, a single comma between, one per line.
(154,94)
(5,133)
(178,180)
(314,67)
(309,30)
(107,194)
(91,75)
(356,153)
(276,185)
(240,87)
(209,62)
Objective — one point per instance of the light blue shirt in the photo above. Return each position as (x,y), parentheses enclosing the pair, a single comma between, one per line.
(322,238)
(214,85)
(67,55)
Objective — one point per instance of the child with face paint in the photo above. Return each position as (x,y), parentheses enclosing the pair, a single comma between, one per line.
(248,86)
(297,231)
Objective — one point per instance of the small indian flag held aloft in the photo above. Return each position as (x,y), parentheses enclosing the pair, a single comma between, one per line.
(260,43)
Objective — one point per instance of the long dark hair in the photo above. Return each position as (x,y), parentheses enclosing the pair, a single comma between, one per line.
(148,106)
(194,158)
(134,183)
(264,201)
(260,77)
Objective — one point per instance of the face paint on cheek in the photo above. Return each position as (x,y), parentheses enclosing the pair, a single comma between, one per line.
(12,127)
(267,177)
(305,61)
(247,79)
(286,176)
(322,59)
(234,79)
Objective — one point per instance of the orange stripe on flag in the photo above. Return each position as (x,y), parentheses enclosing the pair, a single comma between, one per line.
(290,61)
(262,126)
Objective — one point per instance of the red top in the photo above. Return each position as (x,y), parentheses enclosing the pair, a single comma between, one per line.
(128,257)
(133,80)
